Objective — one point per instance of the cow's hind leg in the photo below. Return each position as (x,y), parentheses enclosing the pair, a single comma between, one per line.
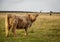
(26,33)
(14,31)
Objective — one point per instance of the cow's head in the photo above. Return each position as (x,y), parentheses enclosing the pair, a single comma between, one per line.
(33,17)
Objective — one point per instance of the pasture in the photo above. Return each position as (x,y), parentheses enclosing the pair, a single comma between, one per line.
(45,29)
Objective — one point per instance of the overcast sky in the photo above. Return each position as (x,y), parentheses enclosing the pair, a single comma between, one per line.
(30,5)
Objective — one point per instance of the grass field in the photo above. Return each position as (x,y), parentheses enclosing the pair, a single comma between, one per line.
(45,29)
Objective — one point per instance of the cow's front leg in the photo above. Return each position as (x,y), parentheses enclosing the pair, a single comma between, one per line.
(26,33)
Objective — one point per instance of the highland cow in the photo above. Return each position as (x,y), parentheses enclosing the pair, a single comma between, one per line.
(19,22)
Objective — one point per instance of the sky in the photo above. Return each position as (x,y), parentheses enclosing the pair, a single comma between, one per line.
(30,5)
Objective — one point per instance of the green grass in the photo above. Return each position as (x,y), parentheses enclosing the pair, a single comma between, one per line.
(45,29)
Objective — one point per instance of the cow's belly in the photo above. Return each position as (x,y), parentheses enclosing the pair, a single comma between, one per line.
(21,27)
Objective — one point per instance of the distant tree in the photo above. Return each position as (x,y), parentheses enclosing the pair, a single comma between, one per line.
(50,13)
(40,11)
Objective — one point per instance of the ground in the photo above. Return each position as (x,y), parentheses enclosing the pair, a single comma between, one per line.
(45,29)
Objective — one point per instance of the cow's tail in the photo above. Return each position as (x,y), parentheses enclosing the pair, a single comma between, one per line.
(6,25)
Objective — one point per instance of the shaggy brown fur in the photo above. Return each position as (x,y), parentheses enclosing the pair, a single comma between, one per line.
(19,22)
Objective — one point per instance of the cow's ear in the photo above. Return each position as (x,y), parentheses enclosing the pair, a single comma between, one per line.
(29,15)
(37,15)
